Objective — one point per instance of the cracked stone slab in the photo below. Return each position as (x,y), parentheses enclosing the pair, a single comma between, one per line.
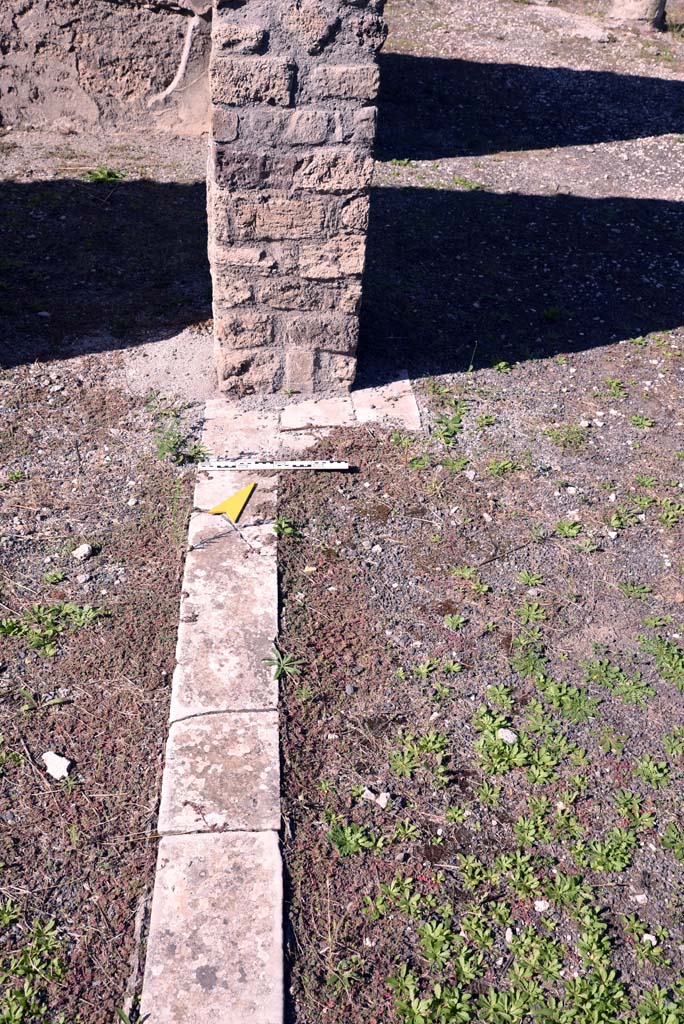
(321,412)
(214,953)
(228,620)
(232,432)
(222,773)
(394,403)
(214,486)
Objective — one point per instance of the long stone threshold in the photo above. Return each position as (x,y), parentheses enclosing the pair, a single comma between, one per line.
(215,942)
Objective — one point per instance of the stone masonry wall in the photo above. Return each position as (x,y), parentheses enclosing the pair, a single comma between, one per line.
(292,85)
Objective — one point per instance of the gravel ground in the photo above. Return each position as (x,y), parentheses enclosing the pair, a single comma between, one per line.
(482,717)
(88,271)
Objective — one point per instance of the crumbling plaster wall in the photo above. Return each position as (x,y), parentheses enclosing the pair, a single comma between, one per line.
(81,63)
(292,90)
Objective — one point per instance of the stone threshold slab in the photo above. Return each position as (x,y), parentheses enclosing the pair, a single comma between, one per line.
(222,773)
(214,954)
(214,951)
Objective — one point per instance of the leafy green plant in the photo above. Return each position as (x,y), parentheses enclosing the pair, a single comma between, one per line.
(530,579)
(455,622)
(569,438)
(530,611)
(654,773)
(673,840)
(171,441)
(102,173)
(638,591)
(283,664)
(641,421)
(632,690)
(54,576)
(350,839)
(499,467)
(669,659)
(42,626)
(34,962)
(284,527)
(565,528)
(615,387)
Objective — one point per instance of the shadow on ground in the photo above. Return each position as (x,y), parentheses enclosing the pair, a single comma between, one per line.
(112,264)
(432,108)
(454,278)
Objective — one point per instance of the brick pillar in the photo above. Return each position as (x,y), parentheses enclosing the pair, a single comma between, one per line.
(292,83)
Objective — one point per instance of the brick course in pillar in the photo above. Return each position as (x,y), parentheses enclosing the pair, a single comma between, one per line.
(292,90)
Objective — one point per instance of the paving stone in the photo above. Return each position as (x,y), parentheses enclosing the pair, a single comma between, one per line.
(222,772)
(322,412)
(228,620)
(214,487)
(214,952)
(392,403)
(232,432)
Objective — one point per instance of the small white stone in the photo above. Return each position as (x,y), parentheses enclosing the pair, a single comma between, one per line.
(541,905)
(369,795)
(132,502)
(82,552)
(649,939)
(470,474)
(56,766)
(508,936)
(486,516)
(383,800)
(641,898)
(507,736)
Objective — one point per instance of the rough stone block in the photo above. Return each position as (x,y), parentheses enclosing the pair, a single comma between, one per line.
(232,37)
(331,169)
(238,169)
(283,293)
(339,333)
(335,259)
(341,82)
(263,126)
(224,124)
(334,371)
(248,371)
(364,125)
(230,292)
(310,127)
(214,952)
(222,773)
(274,217)
(256,257)
(244,80)
(244,330)
(309,22)
(300,366)
(354,214)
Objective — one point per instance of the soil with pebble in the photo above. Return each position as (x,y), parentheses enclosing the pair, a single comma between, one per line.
(482,718)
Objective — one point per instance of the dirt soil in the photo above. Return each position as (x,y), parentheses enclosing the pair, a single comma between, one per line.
(482,724)
(90,273)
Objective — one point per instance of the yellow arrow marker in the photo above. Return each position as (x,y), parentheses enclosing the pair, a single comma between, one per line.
(234,506)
